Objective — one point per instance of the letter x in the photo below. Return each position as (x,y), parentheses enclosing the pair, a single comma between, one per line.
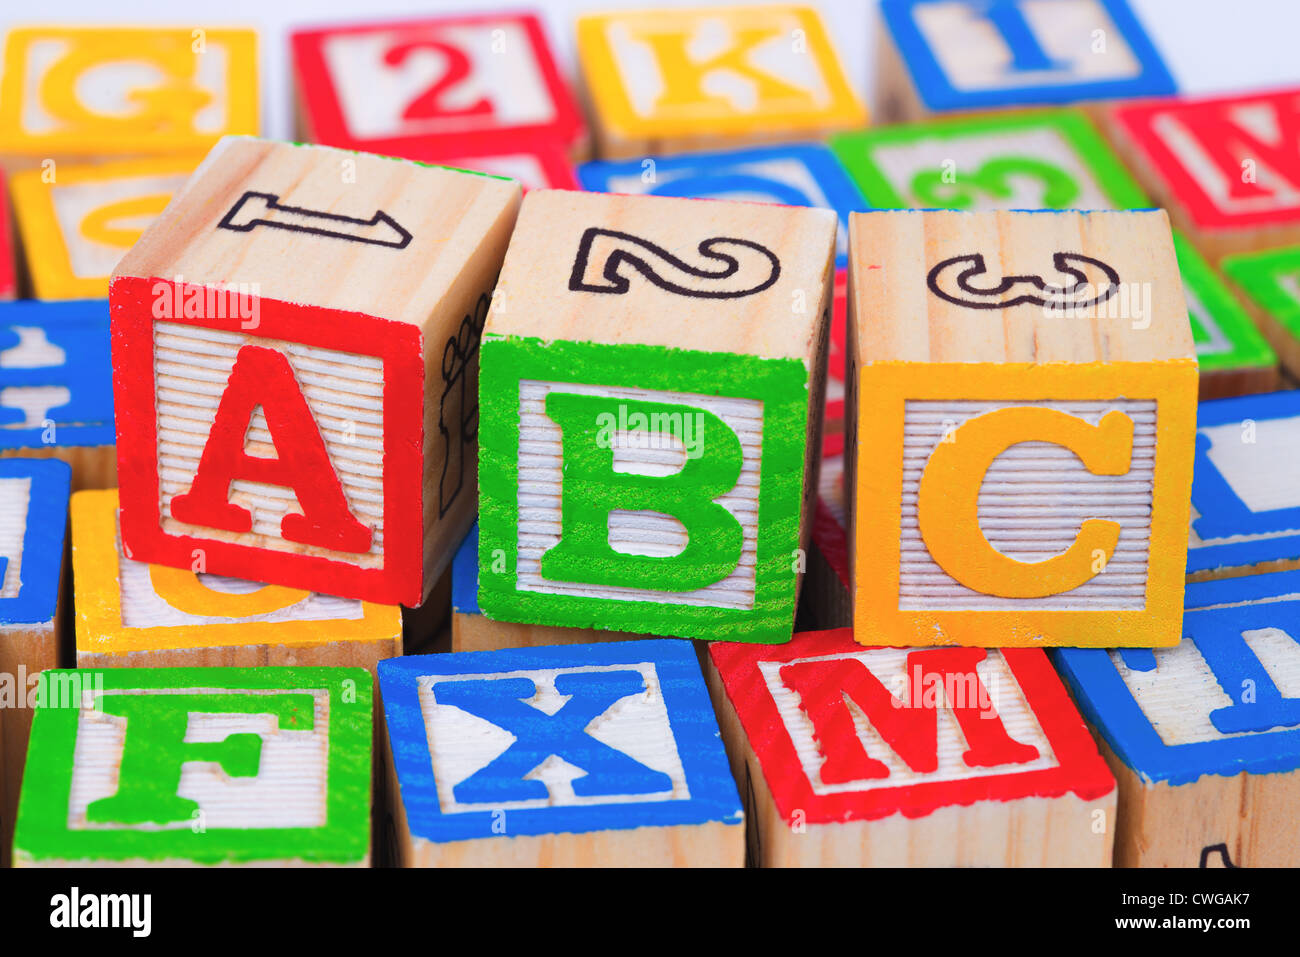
(539,735)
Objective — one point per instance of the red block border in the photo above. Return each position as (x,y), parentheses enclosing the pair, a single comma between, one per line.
(1081,768)
(397,344)
(325,114)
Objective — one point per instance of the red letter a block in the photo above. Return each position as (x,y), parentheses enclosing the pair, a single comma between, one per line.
(297,401)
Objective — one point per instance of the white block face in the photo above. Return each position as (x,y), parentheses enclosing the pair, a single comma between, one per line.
(288,791)
(638,533)
(90,212)
(15,495)
(969,157)
(889,665)
(425,80)
(1251,467)
(345,394)
(1178,697)
(974,55)
(144,607)
(523,167)
(710,36)
(1034,499)
(461,743)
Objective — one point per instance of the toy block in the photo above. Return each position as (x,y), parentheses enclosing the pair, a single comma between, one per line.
(318,343)
(471,630)
(92,92)
(1245,506)
(941,56)
(33,526)
(56,395)
(665,81)
(1051,159)
(796,174)
(577,756)
(422,88)
(1204,737)
(8,273)
(130,613)
(542,166)
(650,412)
(1270,282)
(78,224)
(886,757)
(1226,168)
(166,767)
(1025,383)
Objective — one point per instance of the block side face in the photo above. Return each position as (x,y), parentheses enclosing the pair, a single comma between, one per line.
(33,525)
(55,388)
(341,395)
(1016,286)
(669,272)
(1224,334)
(313,725)
(1245,510)
(650,745)
(675,479)
(175,107)
(334,228)
(1011,734)
(472,103)
(1005,513)
(1272,280)
(961,57)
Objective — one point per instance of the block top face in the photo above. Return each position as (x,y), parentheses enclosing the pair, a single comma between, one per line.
(1175,714)
(982,54)
(928,728)
(714,70)
(125,605)
(1015,286)
(324,227)
(580,738)
(199,765)
(404,86)
(1245,503)
(1201,149)
(712,275)
(55,379)
(33,524)
(125,90)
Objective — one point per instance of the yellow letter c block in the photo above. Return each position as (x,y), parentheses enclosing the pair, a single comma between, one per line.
(948,499)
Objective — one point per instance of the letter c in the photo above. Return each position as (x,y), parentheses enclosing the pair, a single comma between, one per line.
(185,591)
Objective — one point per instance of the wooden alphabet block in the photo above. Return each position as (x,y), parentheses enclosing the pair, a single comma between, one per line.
(76,226)
(939,56)
(1227,168)
(1022,403)
(166,767)
(428,89)
(1204,737)
(577,756)
(321,344)
(664,81)
(1270,282)
(653,355)
(1245,505)
(8,273)
(1050,159)
(88,92)
(795,174)
(130,613)
(883,757)
(33,527)
(56,392)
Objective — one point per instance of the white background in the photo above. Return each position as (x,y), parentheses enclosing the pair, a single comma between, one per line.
(1208,45)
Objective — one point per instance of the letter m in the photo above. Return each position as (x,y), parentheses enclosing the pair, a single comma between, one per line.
(911,727)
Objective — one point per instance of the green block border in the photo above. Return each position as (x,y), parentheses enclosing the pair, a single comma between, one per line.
(42,828)
(854,152)
(1249,348)
(1258,274)
(780,384)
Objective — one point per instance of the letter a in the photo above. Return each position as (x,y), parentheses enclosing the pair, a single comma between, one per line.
(263,377)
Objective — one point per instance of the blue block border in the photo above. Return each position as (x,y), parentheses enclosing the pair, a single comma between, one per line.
(43,540)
